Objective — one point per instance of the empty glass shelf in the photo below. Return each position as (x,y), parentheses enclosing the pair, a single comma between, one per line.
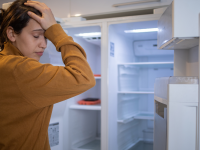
(148,116)
(142,145)
(94,145)
(141,115)
(149,64)
(136,92)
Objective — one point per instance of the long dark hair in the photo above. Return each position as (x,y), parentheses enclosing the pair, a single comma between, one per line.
(15,16)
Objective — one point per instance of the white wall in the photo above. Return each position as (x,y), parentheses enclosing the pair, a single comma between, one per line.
(106,6)
(65,8)
(193,62)
(60,8)
(5,1)
(186,62)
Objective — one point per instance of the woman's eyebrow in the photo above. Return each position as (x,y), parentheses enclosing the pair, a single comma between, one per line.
(39,30)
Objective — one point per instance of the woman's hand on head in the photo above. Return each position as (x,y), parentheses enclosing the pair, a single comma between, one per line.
(47,19)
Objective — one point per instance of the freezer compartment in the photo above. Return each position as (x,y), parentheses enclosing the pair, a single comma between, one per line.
(84,133)
(135,135)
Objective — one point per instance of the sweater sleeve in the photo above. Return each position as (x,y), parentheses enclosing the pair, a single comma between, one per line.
(44,84)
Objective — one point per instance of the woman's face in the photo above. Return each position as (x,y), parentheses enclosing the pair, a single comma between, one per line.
(31,41)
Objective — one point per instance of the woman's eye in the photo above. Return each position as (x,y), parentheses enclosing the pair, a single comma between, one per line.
(36,37)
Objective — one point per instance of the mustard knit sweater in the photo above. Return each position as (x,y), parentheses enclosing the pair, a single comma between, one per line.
(28,90)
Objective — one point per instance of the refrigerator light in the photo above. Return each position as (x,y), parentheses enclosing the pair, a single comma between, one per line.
(91,34)
(77,15)
(141,30)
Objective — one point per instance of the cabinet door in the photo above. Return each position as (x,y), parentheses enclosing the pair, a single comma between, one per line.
(96,7)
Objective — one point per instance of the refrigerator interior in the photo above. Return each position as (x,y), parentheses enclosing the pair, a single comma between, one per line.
(134,64)
(85,121)
(79,125)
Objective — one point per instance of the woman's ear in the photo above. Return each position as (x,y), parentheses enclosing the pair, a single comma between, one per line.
(11,34)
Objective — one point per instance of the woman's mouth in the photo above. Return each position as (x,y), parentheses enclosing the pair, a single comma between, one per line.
(39,53)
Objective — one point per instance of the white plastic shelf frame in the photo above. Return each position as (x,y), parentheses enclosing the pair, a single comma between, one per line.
(86,107)
(149,64)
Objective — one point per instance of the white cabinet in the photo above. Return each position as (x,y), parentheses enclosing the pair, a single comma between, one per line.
(175,28)
(176,107)
(179,94)
(96,7)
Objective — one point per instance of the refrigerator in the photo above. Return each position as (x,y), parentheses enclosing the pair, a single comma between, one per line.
(128,60)
(128,63)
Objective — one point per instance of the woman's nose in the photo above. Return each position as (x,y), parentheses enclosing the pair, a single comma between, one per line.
(43,43)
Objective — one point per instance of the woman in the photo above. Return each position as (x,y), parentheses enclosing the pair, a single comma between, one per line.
(28,89)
